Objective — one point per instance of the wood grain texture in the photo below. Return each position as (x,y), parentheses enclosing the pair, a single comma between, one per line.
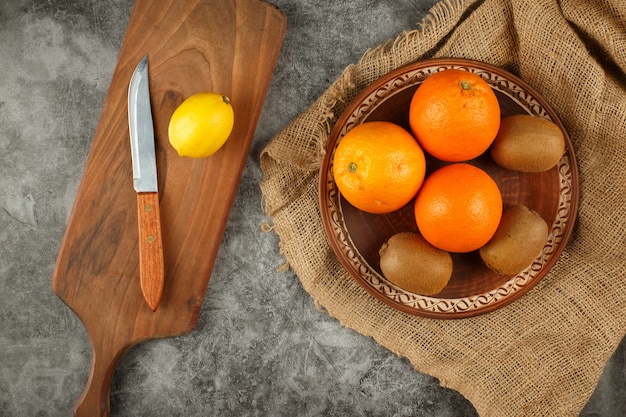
(229,46)
(151,269)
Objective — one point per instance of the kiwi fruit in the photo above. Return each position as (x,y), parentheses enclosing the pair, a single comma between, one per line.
(411,263)
(520,237)
(527,143)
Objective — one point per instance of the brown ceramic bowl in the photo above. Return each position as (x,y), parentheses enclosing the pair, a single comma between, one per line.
(356,236)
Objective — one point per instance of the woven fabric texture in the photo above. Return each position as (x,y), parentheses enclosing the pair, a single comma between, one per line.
(543,354)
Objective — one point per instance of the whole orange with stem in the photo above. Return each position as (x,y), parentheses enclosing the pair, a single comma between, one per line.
(458,208)
(455,115)
(378,167)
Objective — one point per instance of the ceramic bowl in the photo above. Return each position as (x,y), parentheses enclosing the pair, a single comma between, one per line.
(356,236)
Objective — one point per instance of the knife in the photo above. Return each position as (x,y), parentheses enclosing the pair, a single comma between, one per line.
(141,129)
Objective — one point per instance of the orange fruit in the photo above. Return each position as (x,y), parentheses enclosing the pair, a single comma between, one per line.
(455,115)
(458,208)
(378,167)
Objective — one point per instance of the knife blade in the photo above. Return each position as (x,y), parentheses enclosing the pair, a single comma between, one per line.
(142,144)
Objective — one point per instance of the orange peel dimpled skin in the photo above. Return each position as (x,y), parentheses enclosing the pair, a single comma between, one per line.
(459,208)
(455,115)
(378,167)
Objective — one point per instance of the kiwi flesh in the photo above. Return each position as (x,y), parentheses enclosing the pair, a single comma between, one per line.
(527,143)
(520,237)
(411,263)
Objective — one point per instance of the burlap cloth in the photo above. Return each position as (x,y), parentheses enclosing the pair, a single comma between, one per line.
(543,354)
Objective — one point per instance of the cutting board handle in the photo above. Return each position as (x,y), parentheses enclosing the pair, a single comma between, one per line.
(95,400)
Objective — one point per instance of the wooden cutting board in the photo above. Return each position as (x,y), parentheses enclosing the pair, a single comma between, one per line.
(227,46)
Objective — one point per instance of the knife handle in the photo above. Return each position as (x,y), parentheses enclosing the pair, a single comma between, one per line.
(151,268)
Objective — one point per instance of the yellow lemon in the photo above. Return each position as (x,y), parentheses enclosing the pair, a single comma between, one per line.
(201,124)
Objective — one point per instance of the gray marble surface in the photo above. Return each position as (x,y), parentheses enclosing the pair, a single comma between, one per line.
(260,347)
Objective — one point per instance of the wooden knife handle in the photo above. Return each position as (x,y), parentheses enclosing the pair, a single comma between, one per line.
(151,269)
